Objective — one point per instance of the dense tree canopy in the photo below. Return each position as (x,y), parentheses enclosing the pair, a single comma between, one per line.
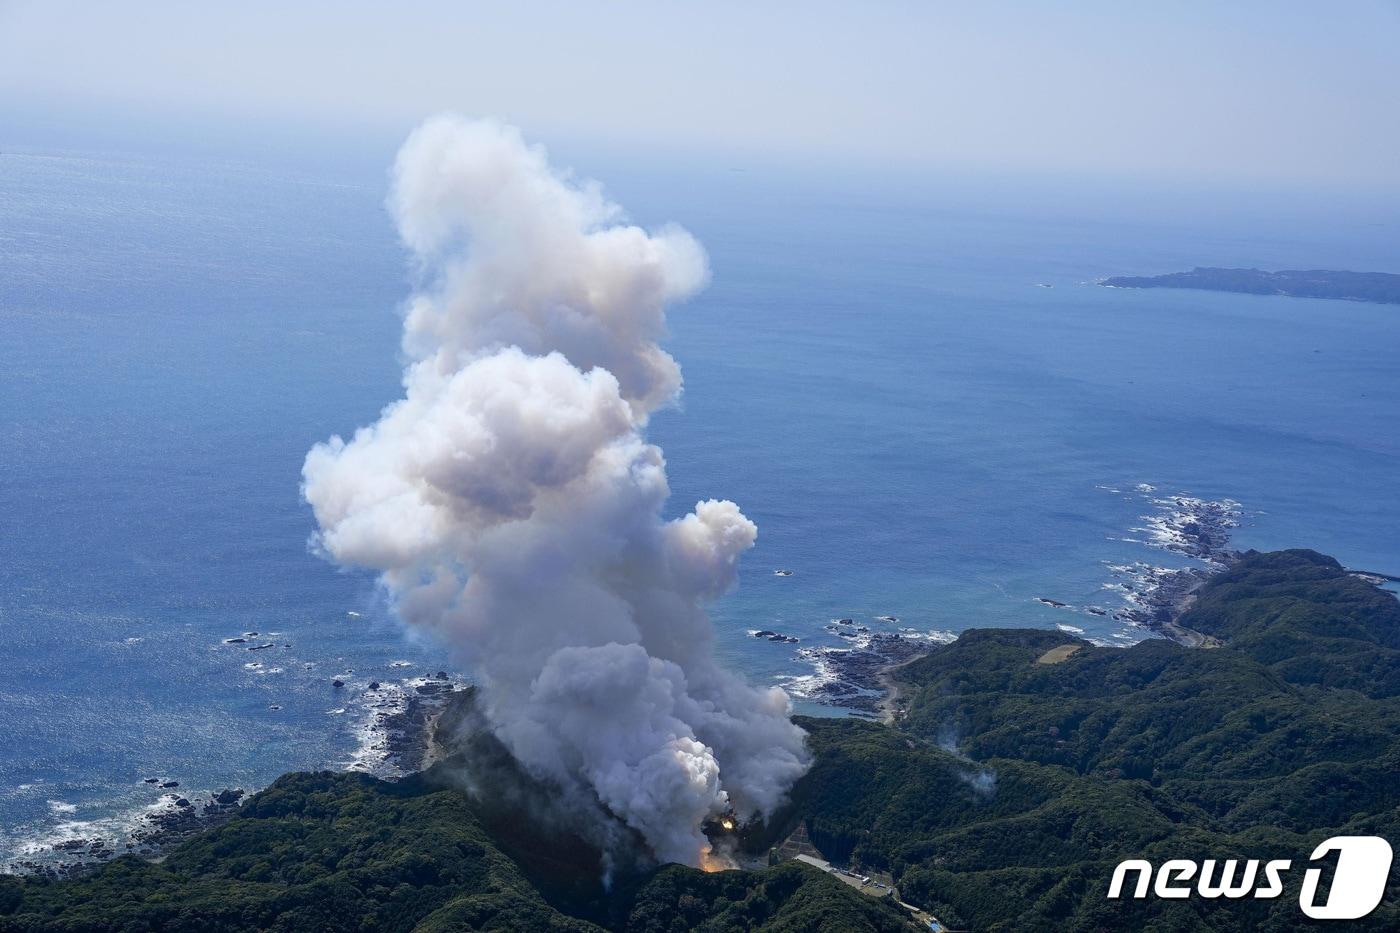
(1011,788)
(1002,798)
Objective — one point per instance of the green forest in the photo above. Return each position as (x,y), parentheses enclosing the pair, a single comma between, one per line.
(1017,774)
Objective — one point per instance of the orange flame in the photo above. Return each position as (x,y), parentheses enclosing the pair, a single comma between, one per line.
(710,860)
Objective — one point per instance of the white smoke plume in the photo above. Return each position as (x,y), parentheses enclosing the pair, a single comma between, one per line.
(512,504)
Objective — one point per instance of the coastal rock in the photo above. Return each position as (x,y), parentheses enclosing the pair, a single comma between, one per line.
(154,833)
(853,676)
(1155,597)
(776,636)
(397,738)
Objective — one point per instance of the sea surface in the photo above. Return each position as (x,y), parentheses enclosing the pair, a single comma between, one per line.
(925,403)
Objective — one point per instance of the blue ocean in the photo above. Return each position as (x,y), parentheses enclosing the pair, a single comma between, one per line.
(917,392)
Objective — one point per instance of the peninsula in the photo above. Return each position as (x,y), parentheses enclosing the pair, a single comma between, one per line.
(1375,287)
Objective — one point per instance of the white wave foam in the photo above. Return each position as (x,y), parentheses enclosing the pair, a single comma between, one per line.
(826,661)
(374,732)
(372,752)
(58,843)
(810,686)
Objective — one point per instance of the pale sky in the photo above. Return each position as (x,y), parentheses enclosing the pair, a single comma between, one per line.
(1260,91)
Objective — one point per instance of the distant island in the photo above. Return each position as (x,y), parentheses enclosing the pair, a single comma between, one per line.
(1019,767)
(1375,287)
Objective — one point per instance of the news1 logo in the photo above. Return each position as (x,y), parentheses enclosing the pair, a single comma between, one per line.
(1358,884)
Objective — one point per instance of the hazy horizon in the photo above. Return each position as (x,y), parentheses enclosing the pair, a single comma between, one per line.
(1254,97)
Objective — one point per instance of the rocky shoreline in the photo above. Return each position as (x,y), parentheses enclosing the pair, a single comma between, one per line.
(173,819)
(396,740)
(396,737)
(1155,597)
(854,677)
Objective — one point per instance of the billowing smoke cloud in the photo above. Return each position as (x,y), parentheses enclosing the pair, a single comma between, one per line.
(512,504)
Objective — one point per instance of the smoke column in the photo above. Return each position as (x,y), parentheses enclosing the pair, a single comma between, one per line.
(512,505)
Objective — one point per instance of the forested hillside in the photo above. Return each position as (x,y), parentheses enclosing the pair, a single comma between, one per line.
(1287,735)
(1023,766)
(349,852)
